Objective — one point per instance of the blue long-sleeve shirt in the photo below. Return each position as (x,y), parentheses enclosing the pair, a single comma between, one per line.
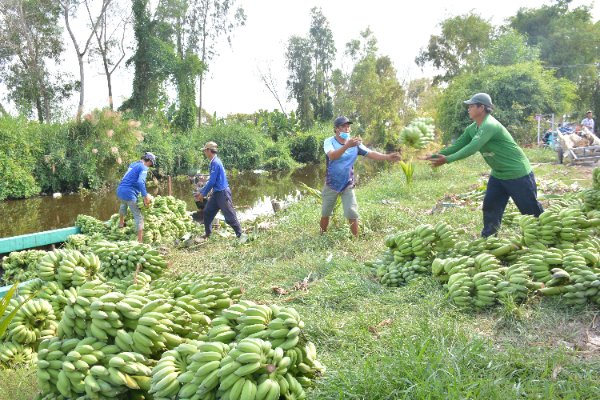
(217,180)
(134,182)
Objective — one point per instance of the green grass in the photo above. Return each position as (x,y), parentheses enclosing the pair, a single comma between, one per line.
(409,342)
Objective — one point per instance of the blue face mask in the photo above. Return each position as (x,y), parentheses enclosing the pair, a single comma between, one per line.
(345,135)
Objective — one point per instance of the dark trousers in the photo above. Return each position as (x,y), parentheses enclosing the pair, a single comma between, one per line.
(221,201)
(523,191)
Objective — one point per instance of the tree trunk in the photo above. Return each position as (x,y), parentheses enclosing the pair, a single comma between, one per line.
(200,98)
(203,59)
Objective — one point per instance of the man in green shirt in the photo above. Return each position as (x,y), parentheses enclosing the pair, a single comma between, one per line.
(511,174)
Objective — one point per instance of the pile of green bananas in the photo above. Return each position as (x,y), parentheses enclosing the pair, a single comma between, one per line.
(89,368)
(68,267)
(251,368)
(409,253)
(166,219)
(558,227)
(33,322)
(505,249)
(19,266)
(90,225)
(470,280)
(577,277)
(15,355)
(418,133)
(120,259)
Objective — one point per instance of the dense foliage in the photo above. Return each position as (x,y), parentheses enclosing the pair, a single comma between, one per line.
(38,158)
(518,92)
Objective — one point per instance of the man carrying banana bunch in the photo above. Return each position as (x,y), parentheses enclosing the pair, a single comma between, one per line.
(511,174)
(341,152)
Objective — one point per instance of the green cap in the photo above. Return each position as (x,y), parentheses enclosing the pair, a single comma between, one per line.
(480,98)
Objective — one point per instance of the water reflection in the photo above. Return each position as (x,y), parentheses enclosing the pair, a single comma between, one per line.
(253,194)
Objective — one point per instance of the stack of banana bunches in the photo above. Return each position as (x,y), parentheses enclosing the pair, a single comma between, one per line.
(557,254)
(107,325)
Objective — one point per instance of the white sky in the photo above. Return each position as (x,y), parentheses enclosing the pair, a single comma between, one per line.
(233,84)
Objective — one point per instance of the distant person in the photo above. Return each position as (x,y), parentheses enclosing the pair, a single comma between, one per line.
(511,175)
(132,184)
(341,152)
(588,121)
(221,195)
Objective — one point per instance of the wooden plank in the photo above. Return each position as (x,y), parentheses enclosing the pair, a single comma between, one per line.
(38,239)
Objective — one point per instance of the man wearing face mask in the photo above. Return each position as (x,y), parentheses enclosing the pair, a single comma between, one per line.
(341,152)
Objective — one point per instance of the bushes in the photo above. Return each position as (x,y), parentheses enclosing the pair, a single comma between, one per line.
(66,157)
(18,155)
(240,147)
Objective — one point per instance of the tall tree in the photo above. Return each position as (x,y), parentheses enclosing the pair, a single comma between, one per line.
(459,45)
(309,61)
(509,48)
(323,53)
(298,60)
(152,60)
(371,93)
(569,43)
(110,41)
(179,16)
(212,20)
(30,38)
(69,9)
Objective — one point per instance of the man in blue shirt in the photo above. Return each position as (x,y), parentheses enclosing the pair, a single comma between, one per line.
(221,196)
(132,184)
(341,153)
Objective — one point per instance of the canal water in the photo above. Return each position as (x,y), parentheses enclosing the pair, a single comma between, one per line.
(254,193)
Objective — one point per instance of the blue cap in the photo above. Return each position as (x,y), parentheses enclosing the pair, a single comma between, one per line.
(341,120)
(149,157)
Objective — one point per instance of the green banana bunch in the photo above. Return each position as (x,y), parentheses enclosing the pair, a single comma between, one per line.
(201,378)
(285,328)
(484,288)
(188,318)
(90,225)
(76,318)
(418,133)
(460,286)
(51,354)
(573,222)
(19,266)
(220,331)
(68,267)
(516,283)
(591,199)
(34,321)
(171,371)
(530,231)
(15,355)
(253,322)
(213,294)
(121,259)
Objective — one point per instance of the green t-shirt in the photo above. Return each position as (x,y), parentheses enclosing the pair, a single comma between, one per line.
(496,145)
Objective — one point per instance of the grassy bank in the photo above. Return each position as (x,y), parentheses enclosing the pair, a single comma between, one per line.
(381,343)
(409,342)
